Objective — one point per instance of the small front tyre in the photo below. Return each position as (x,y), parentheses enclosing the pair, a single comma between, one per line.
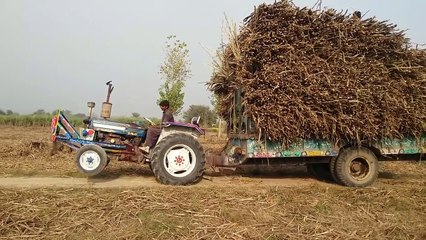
(178,159)
(91,159)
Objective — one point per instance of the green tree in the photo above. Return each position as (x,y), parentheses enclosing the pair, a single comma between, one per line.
(136,115)
(207,116)
(2,112)
(79,115)
(39,112)
(9,112)
(175,70)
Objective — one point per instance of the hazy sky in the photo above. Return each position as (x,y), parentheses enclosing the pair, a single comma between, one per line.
(57,53)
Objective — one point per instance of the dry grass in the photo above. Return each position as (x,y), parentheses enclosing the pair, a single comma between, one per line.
(394,208)
(214,213)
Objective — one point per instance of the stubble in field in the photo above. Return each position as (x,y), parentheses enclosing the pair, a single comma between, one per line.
(245,207)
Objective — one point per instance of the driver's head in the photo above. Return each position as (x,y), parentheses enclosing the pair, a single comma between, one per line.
(164,104)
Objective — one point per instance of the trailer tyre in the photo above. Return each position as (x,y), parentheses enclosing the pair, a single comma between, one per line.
(356,167)
(91,159)
(320,171)
(178,159)
(332,166)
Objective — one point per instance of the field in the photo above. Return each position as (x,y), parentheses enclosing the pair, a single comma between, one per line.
(57,202)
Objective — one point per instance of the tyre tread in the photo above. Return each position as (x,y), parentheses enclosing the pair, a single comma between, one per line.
(161,176)
(346,155)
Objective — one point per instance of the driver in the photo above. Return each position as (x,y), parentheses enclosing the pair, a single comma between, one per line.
(154,131)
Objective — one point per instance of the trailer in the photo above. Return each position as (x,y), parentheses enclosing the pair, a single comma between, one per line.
(348,163)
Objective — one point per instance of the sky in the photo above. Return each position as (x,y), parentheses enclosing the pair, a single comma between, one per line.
(60,53)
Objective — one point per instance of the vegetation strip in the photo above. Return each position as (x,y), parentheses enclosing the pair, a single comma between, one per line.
(214,213)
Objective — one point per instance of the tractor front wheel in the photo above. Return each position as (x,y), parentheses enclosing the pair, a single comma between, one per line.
(178,159)
(91,159)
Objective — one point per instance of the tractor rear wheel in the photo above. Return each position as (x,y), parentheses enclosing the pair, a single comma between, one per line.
(356,167)
(178,159)
(91,159)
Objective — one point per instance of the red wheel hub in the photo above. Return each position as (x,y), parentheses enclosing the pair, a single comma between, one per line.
(179,159)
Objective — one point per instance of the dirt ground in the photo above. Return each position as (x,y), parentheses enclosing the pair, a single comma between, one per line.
(42,196)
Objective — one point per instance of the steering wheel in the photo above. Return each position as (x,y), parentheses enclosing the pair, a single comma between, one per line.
(149,120)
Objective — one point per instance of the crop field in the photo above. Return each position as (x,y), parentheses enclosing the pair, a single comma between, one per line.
(249,203)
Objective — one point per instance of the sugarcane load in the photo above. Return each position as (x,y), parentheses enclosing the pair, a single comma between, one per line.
(323,74)
(330,89)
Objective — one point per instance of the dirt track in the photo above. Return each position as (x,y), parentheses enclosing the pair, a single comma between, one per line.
(134,182)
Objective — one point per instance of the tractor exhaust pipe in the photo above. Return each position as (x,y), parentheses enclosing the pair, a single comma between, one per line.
(107,106)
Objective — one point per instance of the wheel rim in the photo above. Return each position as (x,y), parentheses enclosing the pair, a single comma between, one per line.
(180,160)
(359,168)
(90,160)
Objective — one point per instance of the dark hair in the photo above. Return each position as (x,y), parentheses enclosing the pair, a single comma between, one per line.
(164,103)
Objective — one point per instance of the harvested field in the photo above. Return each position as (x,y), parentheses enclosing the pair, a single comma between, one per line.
(253,203)
(315,212)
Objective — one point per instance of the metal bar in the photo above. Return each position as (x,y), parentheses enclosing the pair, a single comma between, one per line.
(68,127)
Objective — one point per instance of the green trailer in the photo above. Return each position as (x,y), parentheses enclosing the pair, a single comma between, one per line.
(348,163)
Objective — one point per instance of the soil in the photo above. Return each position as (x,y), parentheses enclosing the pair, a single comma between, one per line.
(136,182)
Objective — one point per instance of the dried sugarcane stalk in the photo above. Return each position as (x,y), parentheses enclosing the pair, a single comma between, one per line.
(323,74)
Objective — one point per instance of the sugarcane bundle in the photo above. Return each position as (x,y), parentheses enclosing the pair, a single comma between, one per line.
(323,74)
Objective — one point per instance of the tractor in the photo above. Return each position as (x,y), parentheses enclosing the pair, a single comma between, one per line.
(177,159)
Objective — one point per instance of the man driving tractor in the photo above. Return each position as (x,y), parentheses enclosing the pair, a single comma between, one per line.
(154,131)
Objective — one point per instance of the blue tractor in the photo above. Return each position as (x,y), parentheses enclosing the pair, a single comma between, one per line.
(177,159)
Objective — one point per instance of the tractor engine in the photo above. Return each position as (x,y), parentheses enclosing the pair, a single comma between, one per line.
(110,138)
(114,132)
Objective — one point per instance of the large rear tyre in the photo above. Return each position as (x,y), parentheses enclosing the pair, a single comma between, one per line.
(357,167)
(178,159)
(91,159)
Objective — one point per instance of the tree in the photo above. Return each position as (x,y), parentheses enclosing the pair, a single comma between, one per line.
(207,116)
(39,112)
(9,112)
(136,115)
(2,112)
(80,115)
(174,71)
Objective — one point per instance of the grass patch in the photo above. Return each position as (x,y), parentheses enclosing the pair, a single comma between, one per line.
(210,213)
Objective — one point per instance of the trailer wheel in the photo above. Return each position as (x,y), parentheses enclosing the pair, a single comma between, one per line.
(91,159)
(332,165)
(320,171)
(357,167)
(178,159)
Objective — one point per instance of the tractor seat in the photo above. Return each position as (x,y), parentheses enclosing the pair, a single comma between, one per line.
(196,120)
